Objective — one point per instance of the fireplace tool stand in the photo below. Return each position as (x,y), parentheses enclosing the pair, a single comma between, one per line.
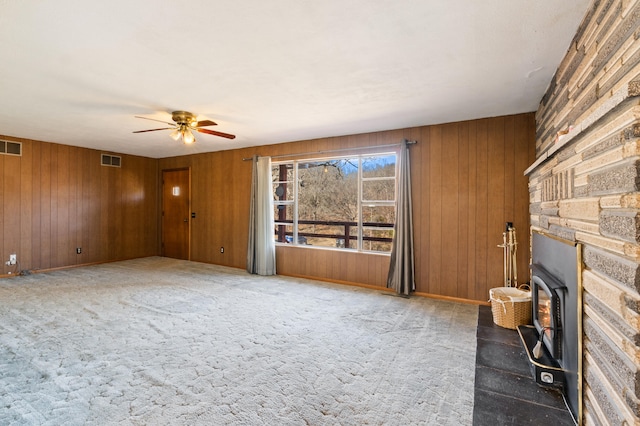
(509,249)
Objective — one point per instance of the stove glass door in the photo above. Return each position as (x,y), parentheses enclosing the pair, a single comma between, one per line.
(544,311)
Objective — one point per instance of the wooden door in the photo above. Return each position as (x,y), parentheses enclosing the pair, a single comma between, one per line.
(176,214)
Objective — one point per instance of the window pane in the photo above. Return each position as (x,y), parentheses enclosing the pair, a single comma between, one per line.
(353,243)
(328,191)
(324,235)
(333,234)
(379,214)
(283,233)
(335,242)
(323,229)
(379,189)
(283,191)
(283,212)
(379,166)
(282,172)
(377,239)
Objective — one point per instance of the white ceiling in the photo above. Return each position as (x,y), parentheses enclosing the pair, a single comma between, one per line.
(77,72)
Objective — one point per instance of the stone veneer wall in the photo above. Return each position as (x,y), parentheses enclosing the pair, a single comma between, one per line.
(584,187)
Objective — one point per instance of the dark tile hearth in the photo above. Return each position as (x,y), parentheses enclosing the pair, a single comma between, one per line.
(505,392)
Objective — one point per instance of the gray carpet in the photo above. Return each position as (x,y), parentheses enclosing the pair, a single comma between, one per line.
(159,341)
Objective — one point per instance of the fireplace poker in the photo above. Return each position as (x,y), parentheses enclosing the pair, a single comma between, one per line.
(509,248)
(504,247)
(513,247)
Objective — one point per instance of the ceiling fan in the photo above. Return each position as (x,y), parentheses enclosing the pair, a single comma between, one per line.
(185,124)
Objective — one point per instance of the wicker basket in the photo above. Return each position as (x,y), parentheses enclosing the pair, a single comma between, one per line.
(510,306)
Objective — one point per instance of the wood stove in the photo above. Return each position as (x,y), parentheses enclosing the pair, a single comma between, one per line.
(548,310)
(554,342)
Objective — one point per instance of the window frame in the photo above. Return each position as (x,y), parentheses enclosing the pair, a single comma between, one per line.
(293,223)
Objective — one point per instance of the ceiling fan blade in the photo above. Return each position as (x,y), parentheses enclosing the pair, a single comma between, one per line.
(214,133)
(153,130)
(204,123)
(153,119)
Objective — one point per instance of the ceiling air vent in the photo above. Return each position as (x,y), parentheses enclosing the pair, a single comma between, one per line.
(111,160)
(10,148)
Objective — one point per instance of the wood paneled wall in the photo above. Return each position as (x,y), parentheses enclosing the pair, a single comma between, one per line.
(467,182)
(56,198)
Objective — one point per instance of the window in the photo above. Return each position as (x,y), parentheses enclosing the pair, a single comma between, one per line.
(346,203)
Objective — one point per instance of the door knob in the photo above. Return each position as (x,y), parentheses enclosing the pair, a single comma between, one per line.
(186,220)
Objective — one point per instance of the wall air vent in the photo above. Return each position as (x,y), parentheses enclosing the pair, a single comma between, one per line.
(111,160)
(10,148)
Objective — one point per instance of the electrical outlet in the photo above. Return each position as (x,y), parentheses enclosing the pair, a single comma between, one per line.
(78,250)
(13,259)
(221,249)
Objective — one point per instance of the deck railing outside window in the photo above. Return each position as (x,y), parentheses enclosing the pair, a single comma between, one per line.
(377,241)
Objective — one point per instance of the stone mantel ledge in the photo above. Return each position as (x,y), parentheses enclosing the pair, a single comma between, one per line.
(627,94)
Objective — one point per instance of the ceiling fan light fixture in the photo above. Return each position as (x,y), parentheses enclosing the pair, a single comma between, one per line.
(176,134)
(185,124)
(187,136)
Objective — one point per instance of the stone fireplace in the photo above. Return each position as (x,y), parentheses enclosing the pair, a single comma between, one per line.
(584,188)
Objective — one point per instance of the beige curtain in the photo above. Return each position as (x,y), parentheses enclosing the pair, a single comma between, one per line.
(261,250)
(401,268)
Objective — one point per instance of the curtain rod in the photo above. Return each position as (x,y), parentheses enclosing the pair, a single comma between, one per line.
(338,150)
